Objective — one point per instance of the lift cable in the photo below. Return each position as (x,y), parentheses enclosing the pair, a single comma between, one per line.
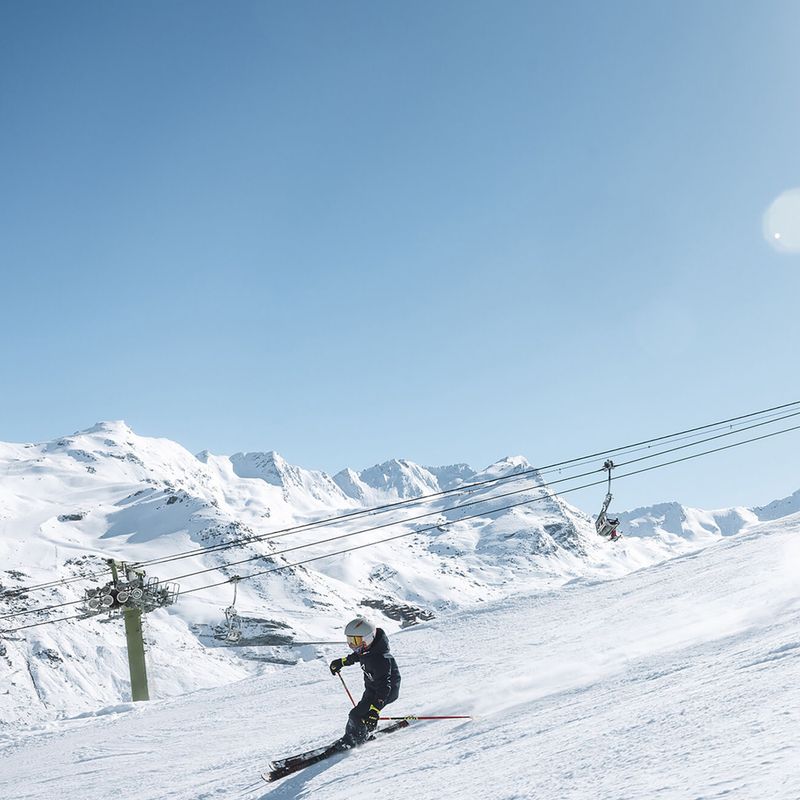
(479,501)
(392,523)
(558,466)
(440,525)
(492,511)
(464,488)
(45,622)
(38,609)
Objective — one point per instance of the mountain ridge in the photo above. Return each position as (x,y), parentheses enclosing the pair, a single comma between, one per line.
(69,504)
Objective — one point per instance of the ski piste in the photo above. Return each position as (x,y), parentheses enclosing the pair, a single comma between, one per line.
(282,767)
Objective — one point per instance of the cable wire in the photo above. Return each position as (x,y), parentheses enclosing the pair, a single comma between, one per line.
(469,504)
(244,541)
(448,522)
(44,622)
(40,608)
(483,514)
(50,584)
(392,523)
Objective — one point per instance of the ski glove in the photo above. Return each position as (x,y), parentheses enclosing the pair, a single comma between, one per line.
(338,663)
(371,720)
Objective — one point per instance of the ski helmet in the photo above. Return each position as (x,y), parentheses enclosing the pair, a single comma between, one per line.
(360,634)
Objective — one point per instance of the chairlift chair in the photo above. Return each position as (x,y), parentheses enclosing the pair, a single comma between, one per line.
(607,526)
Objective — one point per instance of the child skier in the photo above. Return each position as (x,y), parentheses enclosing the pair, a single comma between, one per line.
(370,647)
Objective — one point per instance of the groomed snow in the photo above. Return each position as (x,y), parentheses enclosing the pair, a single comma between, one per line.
(680,680)
(68,504)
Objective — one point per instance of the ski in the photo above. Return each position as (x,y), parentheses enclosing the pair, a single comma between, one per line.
(301,758)
(282,767)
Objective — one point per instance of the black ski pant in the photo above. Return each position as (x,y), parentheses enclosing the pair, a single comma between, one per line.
(356,731)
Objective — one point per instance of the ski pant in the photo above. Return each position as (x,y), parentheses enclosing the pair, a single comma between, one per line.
(356,731)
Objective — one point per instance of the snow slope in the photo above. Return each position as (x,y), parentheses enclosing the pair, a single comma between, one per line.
(106,492)
(679,681)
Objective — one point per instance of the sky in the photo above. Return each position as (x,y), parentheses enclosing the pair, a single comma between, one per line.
(447,232)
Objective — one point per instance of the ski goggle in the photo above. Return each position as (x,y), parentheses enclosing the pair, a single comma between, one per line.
(355,642)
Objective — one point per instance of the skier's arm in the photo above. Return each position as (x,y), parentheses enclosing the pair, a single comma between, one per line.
(345,661)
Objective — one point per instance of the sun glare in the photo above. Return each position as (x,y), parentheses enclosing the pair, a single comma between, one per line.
(782,222)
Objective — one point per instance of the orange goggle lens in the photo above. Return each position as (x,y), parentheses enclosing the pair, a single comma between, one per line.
(355,641)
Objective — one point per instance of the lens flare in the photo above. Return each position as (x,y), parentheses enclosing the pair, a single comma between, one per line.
(782,222)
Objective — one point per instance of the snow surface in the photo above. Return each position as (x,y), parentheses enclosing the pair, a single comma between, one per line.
(67,505)
(675,681)
(678,642)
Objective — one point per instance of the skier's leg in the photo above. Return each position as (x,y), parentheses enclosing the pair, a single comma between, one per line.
(356,731)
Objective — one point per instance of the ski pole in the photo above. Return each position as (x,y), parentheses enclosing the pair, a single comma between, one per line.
(416,718)
(345,688)
(398,718)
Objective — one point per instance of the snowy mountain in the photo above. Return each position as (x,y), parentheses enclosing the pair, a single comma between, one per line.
(671,521)
(778,509)
(68,505)
(392,480)
(678,681)
(301,488)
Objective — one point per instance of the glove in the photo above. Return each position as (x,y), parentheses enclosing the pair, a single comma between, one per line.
(338,663)
(371,720)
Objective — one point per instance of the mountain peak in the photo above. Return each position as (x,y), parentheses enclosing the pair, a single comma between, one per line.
(114,427)
(453,475)
(301,486)
(269,466)
(401,478)
(508,466)
(515,462)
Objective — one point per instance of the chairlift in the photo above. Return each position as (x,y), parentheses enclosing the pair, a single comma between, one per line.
(607,526)
(233,624)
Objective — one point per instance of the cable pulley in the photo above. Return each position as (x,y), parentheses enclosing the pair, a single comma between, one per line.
(129,588)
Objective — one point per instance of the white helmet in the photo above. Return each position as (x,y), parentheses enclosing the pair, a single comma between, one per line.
(360,634)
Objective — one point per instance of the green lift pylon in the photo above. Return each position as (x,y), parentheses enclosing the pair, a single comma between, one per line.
(136,662)
(135,641)
(131,594)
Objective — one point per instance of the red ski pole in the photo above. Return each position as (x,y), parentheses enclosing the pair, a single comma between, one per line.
(409,718)
(345,688)
(416,718)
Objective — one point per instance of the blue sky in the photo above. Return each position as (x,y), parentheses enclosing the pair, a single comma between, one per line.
(443,231)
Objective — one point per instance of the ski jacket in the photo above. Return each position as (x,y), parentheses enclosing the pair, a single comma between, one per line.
(381,675)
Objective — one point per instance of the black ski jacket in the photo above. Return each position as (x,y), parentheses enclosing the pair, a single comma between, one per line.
(381,675)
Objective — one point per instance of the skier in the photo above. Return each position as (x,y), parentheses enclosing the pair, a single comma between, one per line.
(370,647)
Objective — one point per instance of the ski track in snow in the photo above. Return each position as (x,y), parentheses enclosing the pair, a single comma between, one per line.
(681,680)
